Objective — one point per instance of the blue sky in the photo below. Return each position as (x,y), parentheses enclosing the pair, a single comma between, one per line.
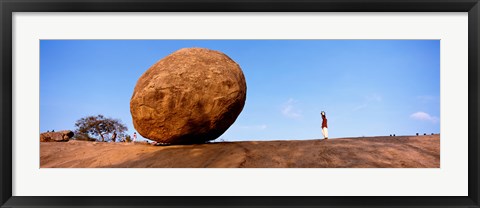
(366,87)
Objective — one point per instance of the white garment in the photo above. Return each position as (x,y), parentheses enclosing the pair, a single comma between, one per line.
(325,132)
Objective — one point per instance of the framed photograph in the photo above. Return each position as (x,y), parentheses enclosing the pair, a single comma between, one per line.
(235,103)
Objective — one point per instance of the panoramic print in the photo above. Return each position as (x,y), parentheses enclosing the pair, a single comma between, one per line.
(239,104)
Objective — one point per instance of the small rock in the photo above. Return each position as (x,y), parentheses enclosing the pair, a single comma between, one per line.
(59,136)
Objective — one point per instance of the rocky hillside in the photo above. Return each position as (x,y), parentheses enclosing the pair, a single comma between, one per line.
(365,152)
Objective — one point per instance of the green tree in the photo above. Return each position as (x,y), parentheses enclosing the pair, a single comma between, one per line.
(100,127)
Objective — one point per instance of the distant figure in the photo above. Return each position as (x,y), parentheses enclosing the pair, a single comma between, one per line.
(324,125)
(417,134)
(53,130)
(114,136)
(134,137)
(393,134)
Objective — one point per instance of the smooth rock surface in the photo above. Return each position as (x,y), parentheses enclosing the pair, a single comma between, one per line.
(191,96)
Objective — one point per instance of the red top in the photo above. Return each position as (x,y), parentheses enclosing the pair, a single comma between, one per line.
(324,122)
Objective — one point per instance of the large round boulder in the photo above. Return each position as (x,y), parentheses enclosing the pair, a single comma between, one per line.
(191,96)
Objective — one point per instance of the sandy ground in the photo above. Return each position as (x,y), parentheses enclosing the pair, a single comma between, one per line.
(365,152)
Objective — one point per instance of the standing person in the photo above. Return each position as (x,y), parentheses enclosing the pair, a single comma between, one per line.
(114,136)
(324,125)
(134,137)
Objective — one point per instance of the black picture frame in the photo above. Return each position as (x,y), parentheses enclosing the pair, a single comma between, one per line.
(7,7)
